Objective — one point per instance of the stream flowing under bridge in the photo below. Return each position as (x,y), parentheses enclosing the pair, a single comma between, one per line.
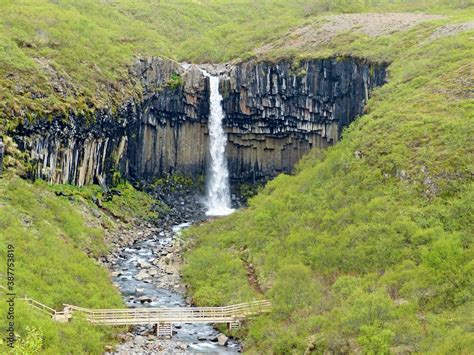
(162,318)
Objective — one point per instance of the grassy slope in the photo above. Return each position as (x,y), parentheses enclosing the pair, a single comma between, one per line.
(47,234)
(50,235)
(74,55)
(90,44)
(377,248)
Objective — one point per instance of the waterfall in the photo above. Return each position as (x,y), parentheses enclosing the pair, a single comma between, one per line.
(217,184)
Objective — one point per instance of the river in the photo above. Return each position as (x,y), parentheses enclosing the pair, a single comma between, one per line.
(147,275)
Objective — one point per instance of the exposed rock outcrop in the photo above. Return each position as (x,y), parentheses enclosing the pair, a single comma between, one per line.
(76,151)
(275,113)
(165,131)
(171,135)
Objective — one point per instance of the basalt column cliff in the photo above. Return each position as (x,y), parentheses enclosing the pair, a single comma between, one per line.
(277,112)
(274,114)
(163,131)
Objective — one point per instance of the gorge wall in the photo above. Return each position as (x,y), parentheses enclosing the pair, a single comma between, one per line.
(275,113)
(164,131)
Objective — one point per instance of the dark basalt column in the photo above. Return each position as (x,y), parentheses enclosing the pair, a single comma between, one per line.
(163,132)
(171,134)
(275,113)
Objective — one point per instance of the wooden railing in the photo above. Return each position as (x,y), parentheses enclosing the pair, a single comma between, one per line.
(226,314)
(60,316)
(42,307)
(130,316)
(162,318)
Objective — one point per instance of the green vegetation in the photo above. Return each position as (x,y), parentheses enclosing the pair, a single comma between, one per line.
(50,237)
(247,191)
(63,55)
(174,182)
(32,343)
(124,202)
(175,81)
(368,247)
(377,245)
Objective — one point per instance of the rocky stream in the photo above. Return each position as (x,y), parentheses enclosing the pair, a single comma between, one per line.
(146,270)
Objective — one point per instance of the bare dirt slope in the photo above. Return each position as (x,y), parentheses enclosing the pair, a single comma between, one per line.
(325,29)
(452,29)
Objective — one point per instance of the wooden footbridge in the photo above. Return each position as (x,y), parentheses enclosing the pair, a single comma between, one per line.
(162,318)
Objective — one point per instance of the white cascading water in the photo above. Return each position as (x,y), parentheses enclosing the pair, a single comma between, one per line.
(218,191)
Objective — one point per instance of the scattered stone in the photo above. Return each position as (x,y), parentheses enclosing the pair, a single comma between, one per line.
(144,299)
(402,174)
(108,348)
(142,275)
(222,339)
(451,29)
(139,340)
(143,264)
(153,272)
(181,346)
(124,337)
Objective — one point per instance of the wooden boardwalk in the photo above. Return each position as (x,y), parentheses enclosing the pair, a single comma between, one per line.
(162,318)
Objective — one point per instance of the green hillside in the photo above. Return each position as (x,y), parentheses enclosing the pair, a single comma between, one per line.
(374,234)
(49,237)
(54,239)
(64,55)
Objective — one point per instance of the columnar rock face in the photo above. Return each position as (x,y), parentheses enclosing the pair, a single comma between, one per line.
(275,113)
(163,132)
(171,136)
(75,151)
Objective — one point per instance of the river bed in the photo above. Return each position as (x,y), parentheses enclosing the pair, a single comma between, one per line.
(148,275)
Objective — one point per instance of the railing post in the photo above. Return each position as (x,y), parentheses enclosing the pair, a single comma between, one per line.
(233,325)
